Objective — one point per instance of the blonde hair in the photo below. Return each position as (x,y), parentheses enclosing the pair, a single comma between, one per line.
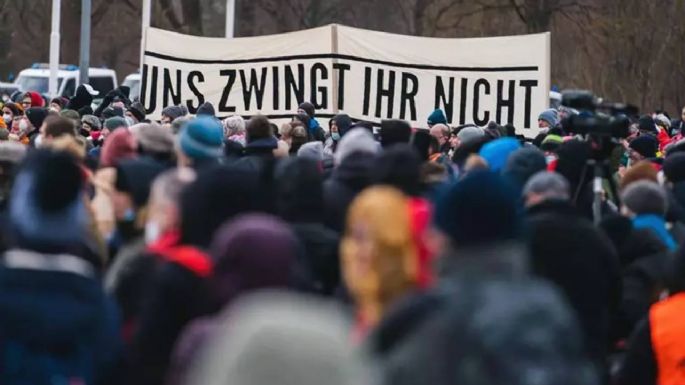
(379,225)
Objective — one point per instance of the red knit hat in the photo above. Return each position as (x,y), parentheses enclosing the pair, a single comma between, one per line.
(118,146)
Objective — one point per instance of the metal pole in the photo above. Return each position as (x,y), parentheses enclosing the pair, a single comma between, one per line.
(84,62)
(230,18)
(54,48)
(145,23)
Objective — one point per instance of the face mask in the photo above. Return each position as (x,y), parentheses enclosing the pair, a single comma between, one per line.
(152,232)
(53,109)
(7,118)
(85,133)
(335,136)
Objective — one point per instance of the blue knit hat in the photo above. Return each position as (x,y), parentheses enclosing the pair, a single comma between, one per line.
(202,138)
(551,116)
(437,117)
(497,152)
(480,209)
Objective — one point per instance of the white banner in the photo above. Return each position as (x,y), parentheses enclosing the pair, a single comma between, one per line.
(367,74)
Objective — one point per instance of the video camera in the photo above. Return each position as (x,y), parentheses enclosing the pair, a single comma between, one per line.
(596,117)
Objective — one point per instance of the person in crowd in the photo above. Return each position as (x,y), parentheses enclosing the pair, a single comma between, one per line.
(91,129)
(82,99)
(56,104)
(234,129)
(136,112)
(491,332)
(587,272)
(32,99)
(379,261)
(436,117)
(394,131)
(268,325)
(312,151)
(54,127)
(171,113)
(522,165)
(496,153)
(314,130)
(35,117)
(646,203)
(643,147)
(250,253)
(10,111)
(206,109)
(298,138)
(155,142)
(548,119)
(442,133)
(129,276)
(200,143)
(338,126)
(654,349)
(260,144)
(58,325)
(177,291)
(475,219)
(300,201)
(352,173)
(129,202)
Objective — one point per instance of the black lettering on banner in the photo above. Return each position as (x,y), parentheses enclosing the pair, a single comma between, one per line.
(276,89)
(443,101)
(193,88)
(153,89)
(168,88)
(315,91)
(223,104)
(462,100)
(527,85)
(253,87)
(293,85)
(341,68)
(476,101)
(385,92)
(367,90)
(508,103)
(408,94)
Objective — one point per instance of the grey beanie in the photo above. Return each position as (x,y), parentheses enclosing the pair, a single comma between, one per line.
(356,140)
(551,116)
(173,112)
(92,121)
(645,197)
(154,138)
(470,134)
(311,150)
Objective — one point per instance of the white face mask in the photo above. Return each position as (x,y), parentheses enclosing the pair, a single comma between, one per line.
(152,232)
(7,118)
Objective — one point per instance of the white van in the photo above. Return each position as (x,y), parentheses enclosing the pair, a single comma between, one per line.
(37,77)
(132,81)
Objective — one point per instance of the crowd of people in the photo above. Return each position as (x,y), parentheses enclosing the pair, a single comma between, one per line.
(207,250)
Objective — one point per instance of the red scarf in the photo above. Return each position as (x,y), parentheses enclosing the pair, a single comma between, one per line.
(193,259)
